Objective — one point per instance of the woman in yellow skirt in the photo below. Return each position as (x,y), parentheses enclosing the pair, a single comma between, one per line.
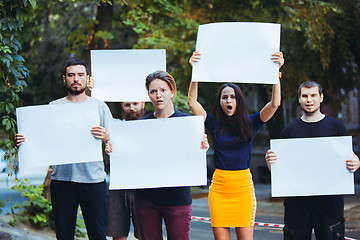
(232,198)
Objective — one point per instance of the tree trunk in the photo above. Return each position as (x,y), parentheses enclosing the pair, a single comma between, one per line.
(104,19)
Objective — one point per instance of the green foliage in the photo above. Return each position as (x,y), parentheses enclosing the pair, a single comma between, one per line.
(35,208)
(2,204)
(180,103)
(166,25)
(80,230)
(320,40)
(12,69)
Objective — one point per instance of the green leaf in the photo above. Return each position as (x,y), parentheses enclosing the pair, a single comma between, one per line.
(33,3)
(6,123)
(19,58)
(9,107)
(6,61)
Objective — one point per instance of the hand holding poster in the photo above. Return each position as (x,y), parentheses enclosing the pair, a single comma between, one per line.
(237,52)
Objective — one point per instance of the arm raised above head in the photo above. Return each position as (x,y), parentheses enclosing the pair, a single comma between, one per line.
(192,101)
(270,108)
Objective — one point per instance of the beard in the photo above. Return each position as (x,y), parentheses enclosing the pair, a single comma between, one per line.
(75,91)
(132,115)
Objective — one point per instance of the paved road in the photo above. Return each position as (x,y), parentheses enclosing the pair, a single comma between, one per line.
(268,211)
(201,230)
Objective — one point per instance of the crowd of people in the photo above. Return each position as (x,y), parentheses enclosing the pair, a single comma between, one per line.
(232,199)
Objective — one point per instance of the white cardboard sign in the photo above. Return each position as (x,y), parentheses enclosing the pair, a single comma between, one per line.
(237,52)
(311,166)
(157,153)
(120,74)
(58,134)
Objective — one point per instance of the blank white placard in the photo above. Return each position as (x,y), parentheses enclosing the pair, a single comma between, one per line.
(237,52)
(58,134)
(311,166)
(120,74)
(157,153)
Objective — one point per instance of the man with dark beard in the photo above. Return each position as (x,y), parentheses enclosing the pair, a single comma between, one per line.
(132,110)
(324,214)
(79,183)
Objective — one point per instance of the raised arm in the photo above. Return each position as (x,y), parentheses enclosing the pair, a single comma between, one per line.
(192,101)
(270,108)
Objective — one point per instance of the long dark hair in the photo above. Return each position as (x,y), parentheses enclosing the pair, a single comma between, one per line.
(239,124)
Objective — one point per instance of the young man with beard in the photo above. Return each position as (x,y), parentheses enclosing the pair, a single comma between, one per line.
(79,183)
(324,214)
(121,202)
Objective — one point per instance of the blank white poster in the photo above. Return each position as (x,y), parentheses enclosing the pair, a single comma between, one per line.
(237,52)
(58,134)
(120,74)
(157,153)
(311,166)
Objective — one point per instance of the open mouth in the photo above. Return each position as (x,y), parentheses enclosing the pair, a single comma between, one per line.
(229,108)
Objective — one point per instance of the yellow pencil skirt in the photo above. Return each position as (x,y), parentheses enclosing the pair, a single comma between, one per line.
(232,199)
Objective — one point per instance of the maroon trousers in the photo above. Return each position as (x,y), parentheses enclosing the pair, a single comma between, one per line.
(177,220)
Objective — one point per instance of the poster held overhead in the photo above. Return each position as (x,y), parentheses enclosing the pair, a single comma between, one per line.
(237,52)
(120,74)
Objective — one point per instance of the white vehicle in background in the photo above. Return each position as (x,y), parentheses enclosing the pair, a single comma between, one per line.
(35,175)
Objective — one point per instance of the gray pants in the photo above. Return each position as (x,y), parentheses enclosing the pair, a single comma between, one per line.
(120,211)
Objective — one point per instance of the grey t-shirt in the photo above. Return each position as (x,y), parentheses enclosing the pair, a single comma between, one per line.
(89,172)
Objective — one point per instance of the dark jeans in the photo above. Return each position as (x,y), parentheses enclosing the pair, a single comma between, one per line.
(324,214)
(177,220)
(66,198)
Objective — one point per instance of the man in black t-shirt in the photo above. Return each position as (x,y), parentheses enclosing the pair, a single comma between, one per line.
(324,214)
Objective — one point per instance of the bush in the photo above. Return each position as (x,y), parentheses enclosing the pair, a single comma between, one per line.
(35,208)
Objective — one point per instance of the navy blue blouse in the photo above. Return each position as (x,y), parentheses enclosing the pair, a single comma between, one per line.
(228,153)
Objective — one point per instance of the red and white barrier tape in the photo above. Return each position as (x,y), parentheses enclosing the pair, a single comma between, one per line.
(259,224)
(201,218)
